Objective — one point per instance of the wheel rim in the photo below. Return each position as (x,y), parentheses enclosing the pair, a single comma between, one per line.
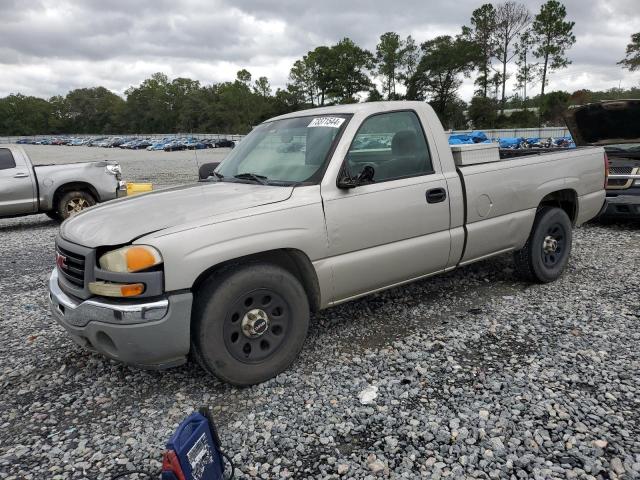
(256,325)
(76,205)
(553,245)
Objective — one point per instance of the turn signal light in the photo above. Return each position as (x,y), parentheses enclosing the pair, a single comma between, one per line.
(107,289)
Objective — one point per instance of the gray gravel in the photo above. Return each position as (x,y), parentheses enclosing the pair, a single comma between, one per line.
(478,375)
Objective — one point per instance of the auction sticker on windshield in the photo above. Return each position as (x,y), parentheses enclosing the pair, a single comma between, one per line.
(333,122)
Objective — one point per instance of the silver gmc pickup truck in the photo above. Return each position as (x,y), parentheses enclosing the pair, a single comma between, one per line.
(312,209)
(60,190)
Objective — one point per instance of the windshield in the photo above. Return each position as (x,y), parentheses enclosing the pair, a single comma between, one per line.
(292,150)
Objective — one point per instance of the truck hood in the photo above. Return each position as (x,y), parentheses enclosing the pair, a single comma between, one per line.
(610,122)
(121,221)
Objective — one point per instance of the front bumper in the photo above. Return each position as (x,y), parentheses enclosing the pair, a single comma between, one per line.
(622,206)
(149,334)
(122,189)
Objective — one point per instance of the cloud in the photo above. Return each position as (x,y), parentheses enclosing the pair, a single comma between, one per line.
(48,47)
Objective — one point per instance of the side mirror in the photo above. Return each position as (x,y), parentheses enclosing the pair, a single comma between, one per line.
(346,181)
(206,170)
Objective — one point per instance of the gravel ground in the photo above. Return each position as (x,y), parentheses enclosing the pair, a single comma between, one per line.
(478,375)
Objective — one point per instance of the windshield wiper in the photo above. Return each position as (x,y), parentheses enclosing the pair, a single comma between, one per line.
(252,176)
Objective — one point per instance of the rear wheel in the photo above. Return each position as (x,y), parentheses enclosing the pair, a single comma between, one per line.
(73,202)
(249,323)
(546,253)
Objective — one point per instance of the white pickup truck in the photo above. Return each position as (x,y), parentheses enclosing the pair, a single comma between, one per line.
(312,209)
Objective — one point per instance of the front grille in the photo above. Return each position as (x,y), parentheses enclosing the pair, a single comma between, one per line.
(71,266)
(621,183)
(620,170)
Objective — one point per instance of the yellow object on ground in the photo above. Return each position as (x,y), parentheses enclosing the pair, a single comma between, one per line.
(135,188)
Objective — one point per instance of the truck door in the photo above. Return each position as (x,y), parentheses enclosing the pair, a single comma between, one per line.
(394,227)
(17,192)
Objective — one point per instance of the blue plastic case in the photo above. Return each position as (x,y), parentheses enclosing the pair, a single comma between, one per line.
(197,451)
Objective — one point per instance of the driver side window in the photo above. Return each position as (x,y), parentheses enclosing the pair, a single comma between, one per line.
(392,145)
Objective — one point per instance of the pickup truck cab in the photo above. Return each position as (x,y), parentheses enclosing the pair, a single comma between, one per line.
(369,198)
(60,191)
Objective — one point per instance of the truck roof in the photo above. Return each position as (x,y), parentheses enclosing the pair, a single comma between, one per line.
(365,108)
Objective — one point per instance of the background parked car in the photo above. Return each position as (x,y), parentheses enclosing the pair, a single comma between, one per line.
(224,143)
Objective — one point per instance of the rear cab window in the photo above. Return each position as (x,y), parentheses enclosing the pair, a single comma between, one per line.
(6,159)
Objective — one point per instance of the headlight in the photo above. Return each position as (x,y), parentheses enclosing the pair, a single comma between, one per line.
(113,169)
(133,258)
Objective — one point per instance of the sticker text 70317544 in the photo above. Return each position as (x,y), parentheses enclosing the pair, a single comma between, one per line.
(332,122)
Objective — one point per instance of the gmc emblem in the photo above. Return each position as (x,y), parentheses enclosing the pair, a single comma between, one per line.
(61,261)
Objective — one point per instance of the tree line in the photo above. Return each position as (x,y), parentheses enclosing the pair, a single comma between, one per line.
(496,37)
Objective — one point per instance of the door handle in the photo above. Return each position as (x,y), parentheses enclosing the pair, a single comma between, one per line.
(20,175)
(436,195)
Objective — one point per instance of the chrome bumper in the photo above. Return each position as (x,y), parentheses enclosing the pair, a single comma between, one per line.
(148,334)
(79,313)
(122,189)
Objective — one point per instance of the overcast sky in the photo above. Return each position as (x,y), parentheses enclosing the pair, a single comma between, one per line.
(48,47)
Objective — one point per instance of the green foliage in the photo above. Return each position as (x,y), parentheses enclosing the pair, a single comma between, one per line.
(348,66)
(519,119)
(632,58)
(22,115)
(511,20)
(389,60)
(552,36)
(528,71)
(481,35)
(444,60)
(483,112)
(553,106)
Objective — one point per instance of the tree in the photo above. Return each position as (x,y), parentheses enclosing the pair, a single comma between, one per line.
(437,77)
(552,37)
(511,18)
(347,71)
(389,59)
(303,79)
(374,95)
(410,57)
(553,106)
(244,76)
(527,71)
(261,87)
(482,35)
(148,107)
(482,112)
(632,58)
(23,115)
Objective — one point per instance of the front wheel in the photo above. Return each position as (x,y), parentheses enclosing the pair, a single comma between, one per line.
(249,323)
(546,253)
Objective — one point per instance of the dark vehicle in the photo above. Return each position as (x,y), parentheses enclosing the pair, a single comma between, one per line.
(140,145)
(224,143)
(615,125)
(175,145)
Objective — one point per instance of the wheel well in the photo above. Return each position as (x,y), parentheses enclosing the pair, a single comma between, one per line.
(292,260)
(67,187)
(567,200)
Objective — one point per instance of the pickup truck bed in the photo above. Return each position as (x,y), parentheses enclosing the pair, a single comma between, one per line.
(501,197)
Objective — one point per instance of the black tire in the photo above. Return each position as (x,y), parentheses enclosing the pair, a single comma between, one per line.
(74,202)
(546,253)
(236,347)
(53,215)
